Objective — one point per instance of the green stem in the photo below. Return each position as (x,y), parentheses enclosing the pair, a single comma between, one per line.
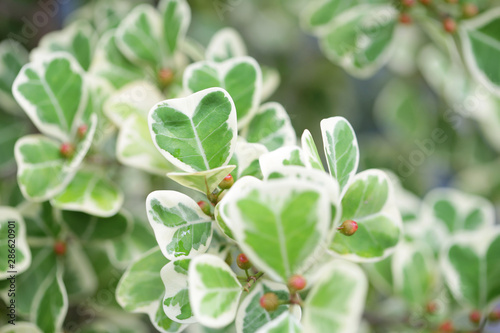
(251,281)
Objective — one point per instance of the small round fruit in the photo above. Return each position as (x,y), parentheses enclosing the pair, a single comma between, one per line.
(475,317)
(82,130)
(446,327)
(165,76)
(60,248)
(408,3)
(449,25)
(425,2)
(431,307)
(212,197)
(270,302)
(405,18)
(348,227)
(243,262)
(205,207)
(227,182)
(67,150)
(494,315)
(470,10)
(296,283)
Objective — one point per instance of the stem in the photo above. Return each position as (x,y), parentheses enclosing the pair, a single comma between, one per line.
(483,324)
(251,281)
(248,275)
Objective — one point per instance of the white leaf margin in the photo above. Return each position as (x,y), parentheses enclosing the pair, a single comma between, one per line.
(21,242)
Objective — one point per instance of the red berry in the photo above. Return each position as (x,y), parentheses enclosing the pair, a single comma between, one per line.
(446,327)
(296,283)
(243,262)
(82,130)
(449,25)
(60,248)
(405,18)
(165,76)
(348,227)
(67,150)
(475,317)
(408,3)
(269,302)
(425,2)
(431,307)
(469,10)
(205,207)
(494,315)
(227,182)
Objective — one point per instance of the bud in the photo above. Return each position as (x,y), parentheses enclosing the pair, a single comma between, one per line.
(243,262)
(296,283)
(494,315)
(227,182)
(405,18)
(446,327)
(469,10)
(67,150)
(269,301)
(408,3)
(205,207)
(348,227)
(60,248)
(449,25)
(475,317)
(82,130)
(165,76)
(431,307)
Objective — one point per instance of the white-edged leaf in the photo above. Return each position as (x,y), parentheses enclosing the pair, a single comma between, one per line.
(202,181)
(180,226)
(341,149)
(14,245)
(53,94)
(286,322)
(13,56)
(241,77)
(270,81)
(176,299)
(246,158)
(79,278)
(214,291)
(311,151)
(195,133)
(336,300)
(20,327)
(280,157)
(225,44)
(280,224)
(92,228)
(176,16)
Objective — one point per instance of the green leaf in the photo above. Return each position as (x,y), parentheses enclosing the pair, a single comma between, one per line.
(251,316)
(414,269)
(341,149)
(14,245)
(12,129)
(195,133)
(319,14)
(470,266)
(214,291)
(176,18)
(271,127)
(279,224)
(481,46)
(135,148)
(79,277)
(93,228)
(91,193)
(141,290)
(53,94)
(42,172)
(241,77)
(12,58)
(43,220)
(457,211)
(284,323)
(336,301)
(20,327)
(135,98)
(78,39)
(360,40)
(224,45)
(138,36)
(281,157)
(110,64)
(369,200)
(246,157)
(380,275)
(181,228)
(176,300)
(311,151)
(202,181)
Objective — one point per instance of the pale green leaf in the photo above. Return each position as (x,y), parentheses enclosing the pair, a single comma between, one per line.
(214,291)
(20,327)
(369,200)
(181,228)
(270,81)
(311,151)
(246,158)
(336,300)
(360,40)
(341,149)
(176,299)
(12,58)
(224,45)
(202,181)
(279,224)
(283,156)
(469,262)
(91,193)
(13,245)
(271,127)
(241,77)
(53,94)
(195,133)
(176,17)
(318,14)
